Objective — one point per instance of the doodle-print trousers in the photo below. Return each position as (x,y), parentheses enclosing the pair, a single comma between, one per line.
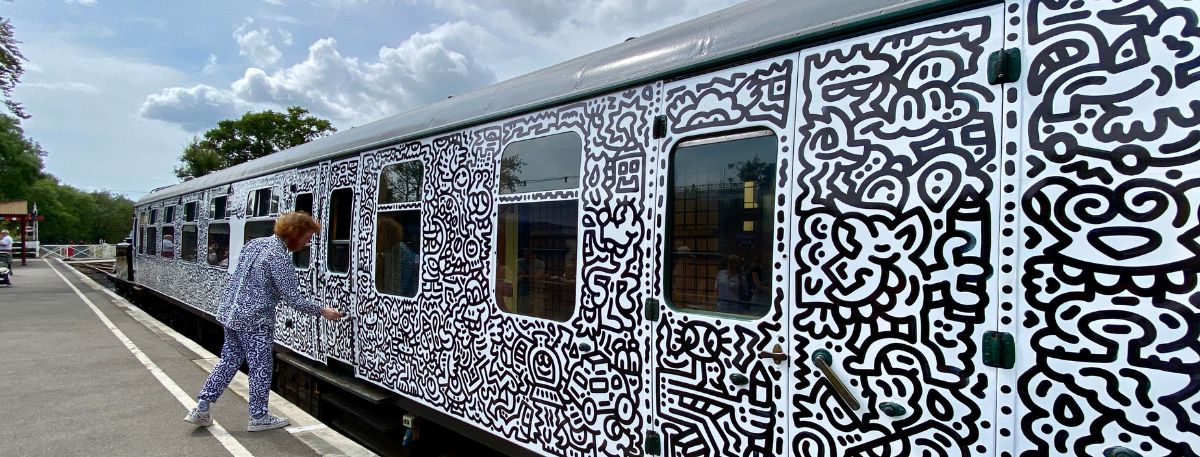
(253,346)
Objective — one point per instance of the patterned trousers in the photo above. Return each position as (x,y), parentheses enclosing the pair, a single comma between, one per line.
(253,346)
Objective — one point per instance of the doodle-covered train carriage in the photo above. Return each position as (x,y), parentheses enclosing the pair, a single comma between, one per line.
(788,228)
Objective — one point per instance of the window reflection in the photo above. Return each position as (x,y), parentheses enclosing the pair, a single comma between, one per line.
(218,244)
(189,243)
(397,253)
(540,164)
(722,203)
(304,203)
(338,255)
(535,268)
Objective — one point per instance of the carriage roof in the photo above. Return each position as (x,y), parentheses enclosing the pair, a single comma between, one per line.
(726,36)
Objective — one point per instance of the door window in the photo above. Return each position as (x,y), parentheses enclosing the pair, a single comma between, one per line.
(720,223)
(338,254)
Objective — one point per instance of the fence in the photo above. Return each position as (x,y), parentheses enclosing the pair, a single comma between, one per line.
(78,251)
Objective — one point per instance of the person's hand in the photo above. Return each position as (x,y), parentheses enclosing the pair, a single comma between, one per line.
(331,314)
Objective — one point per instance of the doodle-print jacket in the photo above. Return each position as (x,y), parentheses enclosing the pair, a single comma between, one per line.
(264,277)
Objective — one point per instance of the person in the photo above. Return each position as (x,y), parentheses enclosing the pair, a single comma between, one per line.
(759,290)
(6,244)
(264,277)
(168,246)
(530,272)
(729,286)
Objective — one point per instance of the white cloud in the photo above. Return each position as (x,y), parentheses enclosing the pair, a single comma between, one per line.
(274,2)
(424,68)
(82,2)
(256,44)
(195,108)
(210,66)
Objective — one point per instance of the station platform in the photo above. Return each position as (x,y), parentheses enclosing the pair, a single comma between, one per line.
(84,372)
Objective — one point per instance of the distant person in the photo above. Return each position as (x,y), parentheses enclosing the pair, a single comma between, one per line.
(168,246)
(264,277)
(6,244)
(730,286)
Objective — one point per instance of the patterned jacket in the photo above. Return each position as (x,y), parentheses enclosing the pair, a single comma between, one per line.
(264,277)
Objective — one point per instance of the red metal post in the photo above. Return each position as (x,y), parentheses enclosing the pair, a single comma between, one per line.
(23,241)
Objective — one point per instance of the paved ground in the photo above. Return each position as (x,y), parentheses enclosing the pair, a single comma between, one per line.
(69,385)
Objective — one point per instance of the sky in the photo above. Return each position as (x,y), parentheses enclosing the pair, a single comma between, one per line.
(118,88)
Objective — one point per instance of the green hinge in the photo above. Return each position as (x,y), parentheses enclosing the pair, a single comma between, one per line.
(999,350)
(660,126)
(651,309)
(1004,66)
(653,443)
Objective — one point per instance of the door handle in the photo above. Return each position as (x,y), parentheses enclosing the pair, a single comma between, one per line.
(776,354)
(822,359)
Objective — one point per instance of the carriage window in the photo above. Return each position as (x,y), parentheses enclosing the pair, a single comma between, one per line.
(168,233)
(218,244)
(398,224)
(153,216)
(168,241)
(400,183)
(189,243)
(143,218)
(536,241)
(217,208)
(338,254)
(151,240)
(304,202)
(719,224)
(258,229)
(546,163)
(189,212)
(261,203)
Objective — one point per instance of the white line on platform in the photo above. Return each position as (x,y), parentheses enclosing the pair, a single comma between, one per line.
(230,443)
(306,428)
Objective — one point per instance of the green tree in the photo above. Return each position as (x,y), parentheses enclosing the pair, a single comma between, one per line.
(20,160)
(10,67)
(252,136)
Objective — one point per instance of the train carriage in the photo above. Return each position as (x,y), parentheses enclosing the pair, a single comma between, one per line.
(922,227)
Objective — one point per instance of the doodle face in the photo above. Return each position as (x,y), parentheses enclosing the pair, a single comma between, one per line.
(895,181)
(1109,252)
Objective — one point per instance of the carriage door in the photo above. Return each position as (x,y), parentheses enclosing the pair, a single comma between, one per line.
(338,231)
(721,337)
(299,332)
(897,197)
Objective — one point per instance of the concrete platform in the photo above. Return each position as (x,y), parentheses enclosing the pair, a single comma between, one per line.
(83,372)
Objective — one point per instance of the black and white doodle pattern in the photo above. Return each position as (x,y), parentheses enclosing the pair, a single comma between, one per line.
(294,330)
(700,412)
(896,203)
(1109,250)
(336,290)
(918,206)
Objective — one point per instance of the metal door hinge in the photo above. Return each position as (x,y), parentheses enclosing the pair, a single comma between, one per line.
(999,350)
(660,126)
(651,309)
(653,443)
(1004,66)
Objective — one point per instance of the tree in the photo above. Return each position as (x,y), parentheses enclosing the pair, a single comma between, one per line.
(252,136)
(10,67)
(20,160)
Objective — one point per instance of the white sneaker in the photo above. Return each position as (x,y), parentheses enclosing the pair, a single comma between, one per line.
(268,422)
(201,418)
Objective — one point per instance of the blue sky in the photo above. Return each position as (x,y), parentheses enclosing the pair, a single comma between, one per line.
(117,88)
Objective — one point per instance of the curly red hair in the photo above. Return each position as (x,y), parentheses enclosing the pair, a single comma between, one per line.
(294,225)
